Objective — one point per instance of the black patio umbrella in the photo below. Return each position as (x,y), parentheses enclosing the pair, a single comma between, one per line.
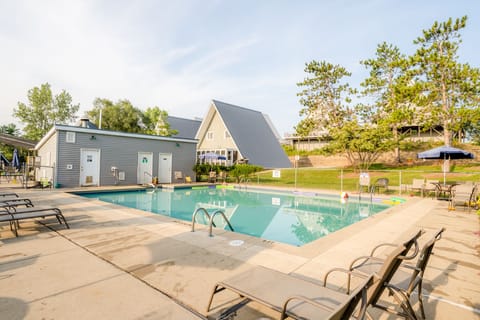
(445,153)
(15,160)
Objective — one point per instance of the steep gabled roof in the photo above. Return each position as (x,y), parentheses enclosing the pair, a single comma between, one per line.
(186,128)
(252,135)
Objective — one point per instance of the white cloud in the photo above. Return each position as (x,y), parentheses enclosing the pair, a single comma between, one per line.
(179,55)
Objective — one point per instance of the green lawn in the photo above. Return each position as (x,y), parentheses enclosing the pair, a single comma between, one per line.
(331,179)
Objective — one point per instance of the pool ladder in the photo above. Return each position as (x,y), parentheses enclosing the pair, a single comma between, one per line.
(153,186)
(244,182)
(211,224)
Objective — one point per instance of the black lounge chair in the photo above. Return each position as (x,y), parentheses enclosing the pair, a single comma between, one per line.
(15,202)
(14,215)
(301,299)
(407,278)
(8,194)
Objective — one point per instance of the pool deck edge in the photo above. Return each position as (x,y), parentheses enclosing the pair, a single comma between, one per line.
(171,267)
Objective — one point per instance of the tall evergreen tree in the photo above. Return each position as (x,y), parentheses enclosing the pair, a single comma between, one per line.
(450,87)
(390,90)
(325,97)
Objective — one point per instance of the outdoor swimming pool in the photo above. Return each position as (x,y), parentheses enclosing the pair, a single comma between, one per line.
(294,219)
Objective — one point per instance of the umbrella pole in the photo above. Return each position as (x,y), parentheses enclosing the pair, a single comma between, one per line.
(444,170)
(444,174)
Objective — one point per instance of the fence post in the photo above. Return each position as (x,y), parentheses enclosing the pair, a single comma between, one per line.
(341,181)
(400,182)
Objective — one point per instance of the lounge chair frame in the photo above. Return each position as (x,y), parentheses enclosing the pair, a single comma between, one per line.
(293,305)
(14,215)
(278,290)
(15,202)
(402,294)
(9,194)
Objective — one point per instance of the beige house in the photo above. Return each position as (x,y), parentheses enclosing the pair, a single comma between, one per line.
(231,134)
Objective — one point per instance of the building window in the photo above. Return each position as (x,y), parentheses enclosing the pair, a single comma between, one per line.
(70,138)
(210,135)
(227,134)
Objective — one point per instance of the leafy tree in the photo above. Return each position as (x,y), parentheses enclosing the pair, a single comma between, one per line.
(119,116)
(326,100)
(362,144)
(325,97)
(389,87)
(450,88)
(44,110)
(123,116)
(155,121)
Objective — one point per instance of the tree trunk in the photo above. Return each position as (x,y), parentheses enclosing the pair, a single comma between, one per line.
(397,148)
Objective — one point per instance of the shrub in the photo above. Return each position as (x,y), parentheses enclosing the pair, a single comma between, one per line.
(243,171)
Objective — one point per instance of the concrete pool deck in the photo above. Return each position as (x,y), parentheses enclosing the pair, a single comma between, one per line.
(122,263)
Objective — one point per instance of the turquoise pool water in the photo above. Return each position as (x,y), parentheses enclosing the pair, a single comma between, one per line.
(294,219)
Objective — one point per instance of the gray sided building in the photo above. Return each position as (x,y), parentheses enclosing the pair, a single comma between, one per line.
(73,156)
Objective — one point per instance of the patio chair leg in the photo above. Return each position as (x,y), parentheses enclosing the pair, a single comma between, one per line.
(14,230)
(404,303)
(420,299)
(58,219)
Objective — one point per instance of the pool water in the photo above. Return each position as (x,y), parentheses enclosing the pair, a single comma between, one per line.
(295,219)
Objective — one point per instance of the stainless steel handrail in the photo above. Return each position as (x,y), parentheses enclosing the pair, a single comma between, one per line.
(211,221)
(194,215)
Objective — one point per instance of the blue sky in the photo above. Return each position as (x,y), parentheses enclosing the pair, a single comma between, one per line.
(179,55)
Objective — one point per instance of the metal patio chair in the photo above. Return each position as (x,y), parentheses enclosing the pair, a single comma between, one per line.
(380,183)
(407,279)
(298,298)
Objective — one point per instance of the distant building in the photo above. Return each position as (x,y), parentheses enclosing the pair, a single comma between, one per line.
(72,156)
(240,135)
(186,128)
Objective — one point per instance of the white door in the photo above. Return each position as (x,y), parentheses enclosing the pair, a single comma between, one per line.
(165,168)
(89,167)
(144,167)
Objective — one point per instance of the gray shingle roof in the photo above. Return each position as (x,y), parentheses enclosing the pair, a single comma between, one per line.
(253,136)
(186,128)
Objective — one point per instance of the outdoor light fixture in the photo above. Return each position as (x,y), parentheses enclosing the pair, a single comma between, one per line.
(93,138)
(177,144)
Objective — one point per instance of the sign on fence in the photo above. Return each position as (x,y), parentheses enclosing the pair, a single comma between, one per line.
(364,179)
(276,174)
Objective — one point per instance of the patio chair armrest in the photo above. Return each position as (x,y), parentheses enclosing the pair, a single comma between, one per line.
(386,244)
(364,259)
(303,299)
(349,274)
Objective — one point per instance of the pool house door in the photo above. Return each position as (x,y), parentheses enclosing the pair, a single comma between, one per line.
(89,167)
(165,168)
(145,168)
